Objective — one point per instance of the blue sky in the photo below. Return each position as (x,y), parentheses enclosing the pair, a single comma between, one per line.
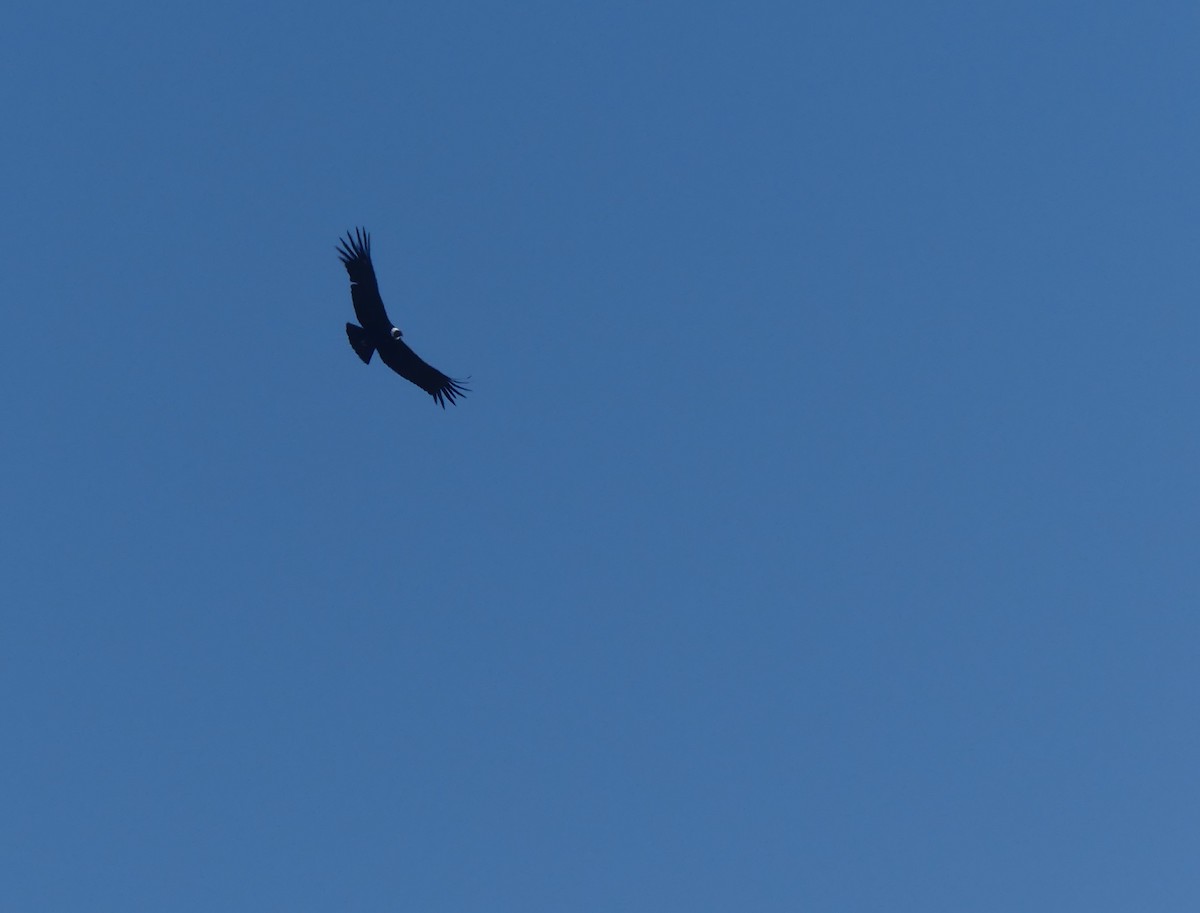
(821,530)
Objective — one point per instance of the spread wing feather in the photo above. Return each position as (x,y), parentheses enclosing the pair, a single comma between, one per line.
(355,253)
(409,365)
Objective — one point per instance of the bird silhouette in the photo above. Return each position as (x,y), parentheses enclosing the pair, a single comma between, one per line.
(377,333)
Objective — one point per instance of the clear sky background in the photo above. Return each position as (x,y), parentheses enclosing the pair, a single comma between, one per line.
(821,530)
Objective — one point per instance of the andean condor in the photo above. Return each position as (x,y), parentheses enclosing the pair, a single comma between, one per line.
(377,332)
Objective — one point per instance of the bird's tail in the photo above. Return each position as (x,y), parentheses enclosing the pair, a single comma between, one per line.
(358,339)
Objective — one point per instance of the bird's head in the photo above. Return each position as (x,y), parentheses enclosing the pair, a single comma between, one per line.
(396,334)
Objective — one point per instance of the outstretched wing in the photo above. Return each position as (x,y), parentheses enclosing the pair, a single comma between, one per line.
(405,362)
(355,253)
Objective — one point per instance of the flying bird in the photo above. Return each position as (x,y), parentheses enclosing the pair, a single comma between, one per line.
(378,333)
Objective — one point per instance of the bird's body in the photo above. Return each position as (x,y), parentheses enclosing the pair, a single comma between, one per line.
(375,332)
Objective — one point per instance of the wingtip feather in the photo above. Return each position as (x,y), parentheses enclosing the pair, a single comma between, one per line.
(355,246)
